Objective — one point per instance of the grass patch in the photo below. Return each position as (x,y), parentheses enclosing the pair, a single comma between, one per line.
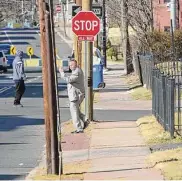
(68,128)
(114,60)
(132,80)
(169,162)
(63,177)
(72,171)
(154,133)
(76,167)
(141,93)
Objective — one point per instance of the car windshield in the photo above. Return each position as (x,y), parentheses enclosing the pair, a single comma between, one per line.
(5,48)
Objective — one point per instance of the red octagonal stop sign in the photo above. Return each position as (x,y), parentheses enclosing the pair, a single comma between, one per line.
(85,24)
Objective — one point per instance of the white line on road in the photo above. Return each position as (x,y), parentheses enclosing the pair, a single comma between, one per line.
(3,89)
(8,37)
(68,42)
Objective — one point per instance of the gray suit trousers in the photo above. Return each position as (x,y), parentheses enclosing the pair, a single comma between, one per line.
(77,117)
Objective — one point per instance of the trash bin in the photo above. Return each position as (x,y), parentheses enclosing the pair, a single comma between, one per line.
(98,81)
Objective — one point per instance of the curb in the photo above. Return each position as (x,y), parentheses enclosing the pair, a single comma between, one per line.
(41,164)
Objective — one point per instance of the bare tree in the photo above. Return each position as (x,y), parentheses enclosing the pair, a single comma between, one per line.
(118,12)
(12,9)
(140,17)
(125,37)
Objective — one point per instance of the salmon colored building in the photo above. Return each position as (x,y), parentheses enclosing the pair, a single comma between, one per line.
(161,14)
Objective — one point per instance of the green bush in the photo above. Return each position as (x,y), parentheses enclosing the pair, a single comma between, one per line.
(160,44)
(108,45)
(112,52)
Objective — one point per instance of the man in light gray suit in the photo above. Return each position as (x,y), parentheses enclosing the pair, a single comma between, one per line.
(76,93)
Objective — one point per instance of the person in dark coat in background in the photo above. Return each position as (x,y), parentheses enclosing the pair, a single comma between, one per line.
(18,77)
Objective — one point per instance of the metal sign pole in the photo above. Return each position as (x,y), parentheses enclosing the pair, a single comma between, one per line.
(86,81)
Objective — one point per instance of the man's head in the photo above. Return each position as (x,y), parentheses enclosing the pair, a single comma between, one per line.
(73,64)
(19,53)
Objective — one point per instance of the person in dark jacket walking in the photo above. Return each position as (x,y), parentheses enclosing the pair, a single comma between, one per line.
(18,77)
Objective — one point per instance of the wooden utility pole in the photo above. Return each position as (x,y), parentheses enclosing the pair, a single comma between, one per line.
(125,36)
(52,95)
(77,44)
(45,85)
(56,87)
(87,50)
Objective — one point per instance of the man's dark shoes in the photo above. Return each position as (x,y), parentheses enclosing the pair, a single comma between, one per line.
(75,132)
(18,105)
(86,123)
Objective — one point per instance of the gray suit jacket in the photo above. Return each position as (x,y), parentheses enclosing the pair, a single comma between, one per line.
(75,83)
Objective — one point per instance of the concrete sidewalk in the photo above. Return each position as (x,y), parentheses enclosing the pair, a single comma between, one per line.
(115,150)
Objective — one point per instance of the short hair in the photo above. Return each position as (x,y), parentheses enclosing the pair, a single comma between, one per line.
(73,60)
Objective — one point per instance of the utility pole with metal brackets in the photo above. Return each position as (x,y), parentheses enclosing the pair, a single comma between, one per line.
(45,85)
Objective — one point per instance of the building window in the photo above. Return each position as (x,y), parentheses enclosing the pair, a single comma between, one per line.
(167,1)
(167,28)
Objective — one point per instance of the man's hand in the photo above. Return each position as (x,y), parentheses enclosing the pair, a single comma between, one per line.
(61,69)
(61,72)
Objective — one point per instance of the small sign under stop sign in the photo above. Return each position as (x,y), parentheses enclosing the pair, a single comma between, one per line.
(86,25)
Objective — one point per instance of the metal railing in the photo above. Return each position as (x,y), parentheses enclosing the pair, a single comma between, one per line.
(146,69)
(163,98)
(165,81)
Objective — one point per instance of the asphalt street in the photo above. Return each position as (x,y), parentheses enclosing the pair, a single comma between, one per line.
(22,39)
(22,131)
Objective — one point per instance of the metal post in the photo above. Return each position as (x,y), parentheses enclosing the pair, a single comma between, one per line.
(56,84)
(104,33)
(52,98)
(164,101)
(67,13)
(86,6)
(22,11)
(86,81)
(173,14)
(64,20)
(77,44)
(45,85)
(172,101)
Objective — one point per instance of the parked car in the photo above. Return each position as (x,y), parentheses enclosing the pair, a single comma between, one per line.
(10,59)
(98,54)
(3,62)
(5,48)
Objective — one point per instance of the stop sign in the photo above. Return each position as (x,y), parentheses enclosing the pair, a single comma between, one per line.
(85,24)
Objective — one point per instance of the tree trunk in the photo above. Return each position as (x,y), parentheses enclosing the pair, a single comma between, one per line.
(125,38)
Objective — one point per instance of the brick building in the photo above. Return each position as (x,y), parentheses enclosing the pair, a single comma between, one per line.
(162,14)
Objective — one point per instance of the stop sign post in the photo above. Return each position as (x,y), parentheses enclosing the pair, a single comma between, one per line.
(86,25)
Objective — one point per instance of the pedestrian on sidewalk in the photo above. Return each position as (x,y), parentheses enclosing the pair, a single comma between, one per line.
(18,77)
(76,94)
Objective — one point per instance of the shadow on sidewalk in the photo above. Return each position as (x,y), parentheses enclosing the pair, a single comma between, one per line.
(114,90)
(119,115)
